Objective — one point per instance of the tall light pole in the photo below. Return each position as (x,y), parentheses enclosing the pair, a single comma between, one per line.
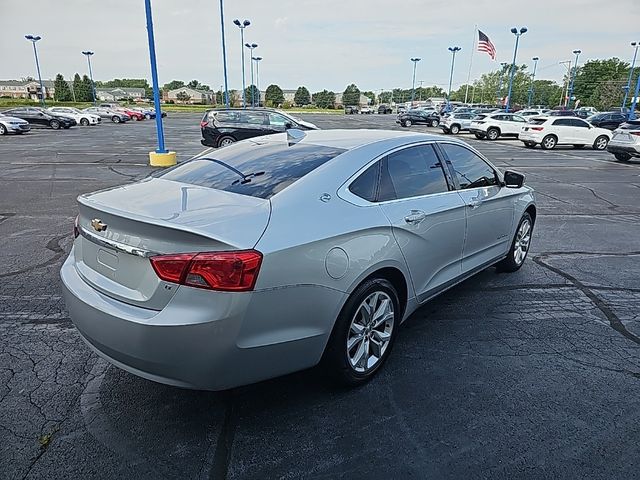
(251,46)
(415,61)
(242,26)
(161,157)
(634,101)
(257,60)
(224,57)
(533,77)
(518,34)
(88,54)
(33,39)
(453,51)
(502,71)
(633,64)
(573,76)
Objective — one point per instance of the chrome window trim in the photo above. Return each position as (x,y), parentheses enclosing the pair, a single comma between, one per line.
(121,247)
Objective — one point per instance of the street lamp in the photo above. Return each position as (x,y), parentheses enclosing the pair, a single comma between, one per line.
(33,39)
(499,90)
(257,60)
(633,64)
(453,50)
(251,46)
(224,57)
(242,26)
(413,84)
(573,77)
(517,33)
(533,77)
(93,86)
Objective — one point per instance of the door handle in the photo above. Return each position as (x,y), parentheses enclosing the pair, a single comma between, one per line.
(415,217)
(473,204)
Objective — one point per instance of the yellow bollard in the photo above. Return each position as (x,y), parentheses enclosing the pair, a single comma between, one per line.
(162,159)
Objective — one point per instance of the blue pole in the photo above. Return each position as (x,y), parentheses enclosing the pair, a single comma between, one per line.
(513,71)
(573,77)
(154,78)
(533,77)
(35,52)
(634,101)
(244,87)
(224,57)
(633,63)
(93,85)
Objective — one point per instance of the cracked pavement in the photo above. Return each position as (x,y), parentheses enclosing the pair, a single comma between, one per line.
(526,375)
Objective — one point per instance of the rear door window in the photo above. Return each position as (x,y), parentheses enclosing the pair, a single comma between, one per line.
(562,122)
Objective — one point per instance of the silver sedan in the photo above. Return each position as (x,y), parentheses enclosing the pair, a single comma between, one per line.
(279,253)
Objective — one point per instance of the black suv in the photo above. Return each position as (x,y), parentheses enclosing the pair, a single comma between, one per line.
(384,109)
(223,127)
(39,116)
(425,117)
(609,120)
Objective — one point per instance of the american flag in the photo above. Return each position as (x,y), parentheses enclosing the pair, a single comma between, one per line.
(485,45)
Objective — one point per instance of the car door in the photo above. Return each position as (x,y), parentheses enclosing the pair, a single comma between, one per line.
(582,132)
(564,129)
(427,216)
(489,207)
(37,116)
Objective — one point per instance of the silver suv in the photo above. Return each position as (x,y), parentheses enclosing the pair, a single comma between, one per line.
(456,122)
(625,142)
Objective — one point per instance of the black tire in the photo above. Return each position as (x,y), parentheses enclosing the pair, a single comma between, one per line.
(493,134)
(55,124)
(84,122)
(510,263)
(225,141)
(335,360)
(434,123)
(455,129)
(403,124)
(529,144)
(578,147)
(479,136)
(601,143)
(549,142)
(3,129)
(115,119)
(407,123)
(622,157)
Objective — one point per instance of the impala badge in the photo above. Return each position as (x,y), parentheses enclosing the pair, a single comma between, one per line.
(98,226)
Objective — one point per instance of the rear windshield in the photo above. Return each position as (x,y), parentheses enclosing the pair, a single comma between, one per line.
(537,121)
(257,170)
(479,117)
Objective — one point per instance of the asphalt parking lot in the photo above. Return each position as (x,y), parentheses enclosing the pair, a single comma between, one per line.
(534,374)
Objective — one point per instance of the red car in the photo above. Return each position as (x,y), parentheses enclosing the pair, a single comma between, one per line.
(132,113)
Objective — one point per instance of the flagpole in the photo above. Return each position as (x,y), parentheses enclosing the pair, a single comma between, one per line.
(473,52)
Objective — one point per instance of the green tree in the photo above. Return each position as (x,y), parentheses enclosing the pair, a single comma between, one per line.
(324,99)
(62,90)
(183,97)
(351,95)
(385,97)
(252,89)
(173,85)
(600,83)
(302,96)
(371,96)
(87,90)
(546,92)
(77,88)
(274,96)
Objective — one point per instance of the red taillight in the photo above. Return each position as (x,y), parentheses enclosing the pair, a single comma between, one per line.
(537,129)
(76,228)
(203,124)
(235,271)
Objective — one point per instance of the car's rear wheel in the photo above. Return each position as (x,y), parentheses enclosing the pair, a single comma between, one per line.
(84,122)
(55,124)
(455,129)
(364,333)
(134,118)
(601,143)
(493,134)
(407,123)
(549,142)
(578,147)
(115,119)
(479,136)
(519,247)
(3,129)
(623,157)
(226,141)
(435,123)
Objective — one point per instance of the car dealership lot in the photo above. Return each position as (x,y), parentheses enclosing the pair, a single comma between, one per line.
(528,375)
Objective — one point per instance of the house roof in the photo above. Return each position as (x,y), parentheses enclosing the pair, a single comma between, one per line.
(191,90)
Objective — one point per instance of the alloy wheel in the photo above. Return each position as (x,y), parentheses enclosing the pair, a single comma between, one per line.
(370,332)
(601,143)
(225,142)
(523,238)
(3,129)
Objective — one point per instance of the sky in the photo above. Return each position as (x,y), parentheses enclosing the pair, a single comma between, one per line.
(316,43)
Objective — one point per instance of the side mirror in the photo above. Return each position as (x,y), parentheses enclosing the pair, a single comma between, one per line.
(288,125)
(513,179)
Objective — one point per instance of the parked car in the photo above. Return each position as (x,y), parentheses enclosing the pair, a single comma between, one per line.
(495,125)
(113,115)
(13,125)
(551,131)
(37,116)
(561,113)
(351,109)
(223,127)
(530,113)
(385,109)
(417,117)
(81,118)
(456,122)
(366,110)
(258,273)
(133,114)
(608,120)
(625,142)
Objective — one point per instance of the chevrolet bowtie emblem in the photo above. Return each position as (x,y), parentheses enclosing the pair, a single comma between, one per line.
(97,225)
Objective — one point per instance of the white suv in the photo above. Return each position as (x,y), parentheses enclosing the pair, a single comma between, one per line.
(495,125)
(626,141)
(551,131)
(82,118)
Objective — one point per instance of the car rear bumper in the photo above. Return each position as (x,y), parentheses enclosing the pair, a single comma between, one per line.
(477,130)
(619,147)
(529,137)
(202,339)
(209,138)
